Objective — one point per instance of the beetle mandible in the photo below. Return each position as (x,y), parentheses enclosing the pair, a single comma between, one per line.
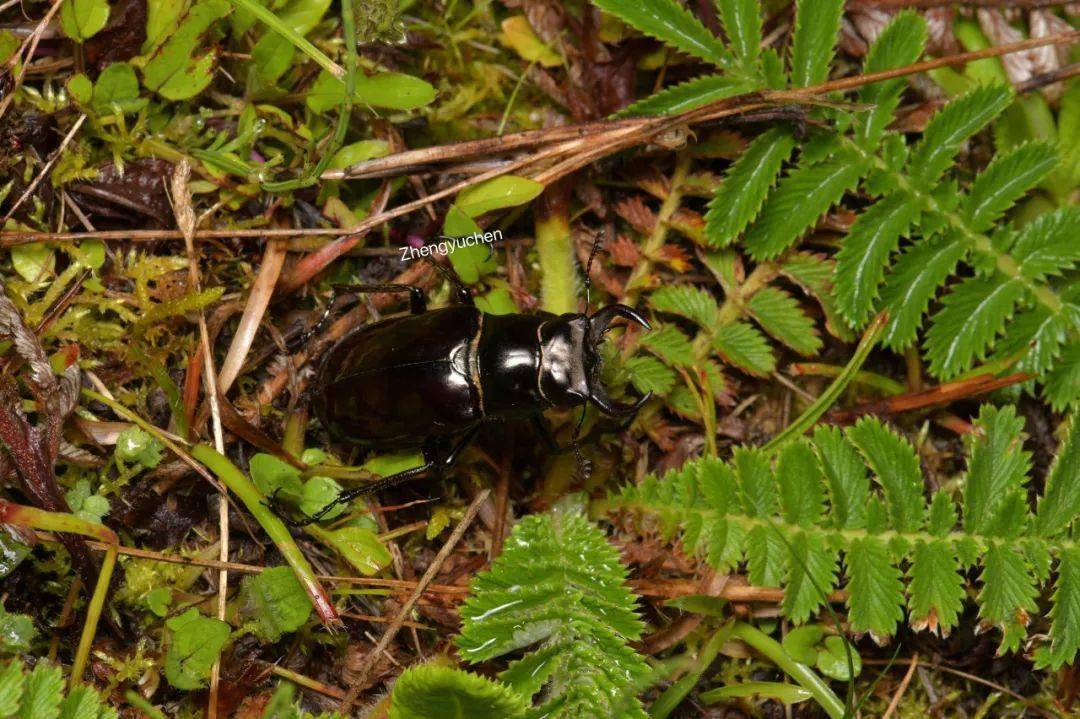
(433,377)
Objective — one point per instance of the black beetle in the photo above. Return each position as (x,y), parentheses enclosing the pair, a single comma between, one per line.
(432,377)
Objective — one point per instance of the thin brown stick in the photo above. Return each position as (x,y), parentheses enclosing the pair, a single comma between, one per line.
(357,685)
(895,702)
(971,678)
(1049,78)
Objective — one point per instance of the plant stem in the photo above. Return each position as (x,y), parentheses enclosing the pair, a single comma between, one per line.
(655,241)
(554,248)
(302,43)
(62,522)
(821,405)
(868,379)
(239,484)
(801,673)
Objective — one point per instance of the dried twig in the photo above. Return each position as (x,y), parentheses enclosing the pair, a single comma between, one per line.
(895,702)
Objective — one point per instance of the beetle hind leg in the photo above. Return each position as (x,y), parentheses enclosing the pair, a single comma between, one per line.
(438,458)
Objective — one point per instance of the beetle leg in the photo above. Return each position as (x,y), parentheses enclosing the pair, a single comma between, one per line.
(435,463)
(417,301)
(463,295)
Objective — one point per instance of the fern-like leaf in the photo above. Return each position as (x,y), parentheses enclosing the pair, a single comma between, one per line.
(740,196)
(861,262)
(742,23)
(780,315)
(817,23)
(648,374)
(900,43)
(742,346)
(432,691)
(997,468)
(1062,385)
(688,95)
(913,283)
(690,302)
(1005,181)
(802,197)
(670,22)
(971,316)
(878,538)
(558,587)
(951,127)
(1049,245)
(670,345)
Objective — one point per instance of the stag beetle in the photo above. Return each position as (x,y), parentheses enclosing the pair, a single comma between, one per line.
(433,377)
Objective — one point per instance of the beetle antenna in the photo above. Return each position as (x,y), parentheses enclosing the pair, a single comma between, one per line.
(588,270)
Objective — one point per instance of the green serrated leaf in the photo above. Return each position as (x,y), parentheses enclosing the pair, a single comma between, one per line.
(742,346)
(1005,181)
(817,23)
(431,691)
(914,281)
(12,681)
(44,688)
(971,316)
(742,25)
(1048,246)
(1008,593)
(671,23)
(861,262)
(950,127)
(1060,503)
(740,197)
(896,469)
(802,197)
(670,345)
(900,43)
(688,95)
(783,318)
(558,590)
(875,589)
(937,588)
(650,375)
(686,301)
(997,466)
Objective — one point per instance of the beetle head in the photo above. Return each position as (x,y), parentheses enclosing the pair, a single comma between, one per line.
(570,365)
